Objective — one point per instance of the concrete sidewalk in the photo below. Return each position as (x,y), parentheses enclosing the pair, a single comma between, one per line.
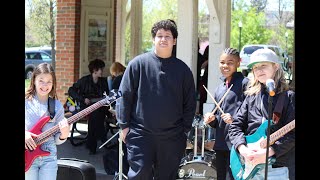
(67,150)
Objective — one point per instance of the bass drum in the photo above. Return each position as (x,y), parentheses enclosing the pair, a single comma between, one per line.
(197,167)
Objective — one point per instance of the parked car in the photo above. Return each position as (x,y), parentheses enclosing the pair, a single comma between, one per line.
(34,58)
(247,50)
(47,49)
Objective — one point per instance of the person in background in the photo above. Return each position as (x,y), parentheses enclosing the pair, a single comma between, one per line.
(157,108)
(42,87)
(254,111)
(174,49)
(116,71)
(229,62)
(203,78)
(88,90)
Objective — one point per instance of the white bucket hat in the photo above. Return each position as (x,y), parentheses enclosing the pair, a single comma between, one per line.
(263,55)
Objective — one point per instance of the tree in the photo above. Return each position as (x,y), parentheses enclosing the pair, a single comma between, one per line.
(153,11)
(41,23)
(203,24)
(260,5)
(253,29)
(281,14)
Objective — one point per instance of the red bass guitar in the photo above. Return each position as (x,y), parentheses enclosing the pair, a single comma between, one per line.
(30,156)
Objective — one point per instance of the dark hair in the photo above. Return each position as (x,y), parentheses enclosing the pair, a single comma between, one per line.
(96,65)
(43,68)
(231,51)
(167,24)
(206,53)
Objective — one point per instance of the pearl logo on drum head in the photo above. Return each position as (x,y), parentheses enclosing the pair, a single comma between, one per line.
(201,163)
(181,173)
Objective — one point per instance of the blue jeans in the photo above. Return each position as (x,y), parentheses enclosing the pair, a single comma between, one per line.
(43,168)
(280,173)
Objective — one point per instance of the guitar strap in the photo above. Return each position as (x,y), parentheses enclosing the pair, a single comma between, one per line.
(278,108)
(277,111)
(51,107)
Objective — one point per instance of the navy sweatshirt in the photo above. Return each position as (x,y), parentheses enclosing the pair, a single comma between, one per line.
(158,96)
(231,104)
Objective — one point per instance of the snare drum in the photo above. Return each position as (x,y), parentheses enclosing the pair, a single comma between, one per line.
(197,167)
(209,140)
(190,134)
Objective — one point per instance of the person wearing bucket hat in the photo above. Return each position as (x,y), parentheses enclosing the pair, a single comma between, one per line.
(263,55)
(254,111)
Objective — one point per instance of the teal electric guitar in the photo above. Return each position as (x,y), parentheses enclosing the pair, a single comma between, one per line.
(242,169)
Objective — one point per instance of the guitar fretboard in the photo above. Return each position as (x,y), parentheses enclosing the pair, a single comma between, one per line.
(45,135)
(279,133)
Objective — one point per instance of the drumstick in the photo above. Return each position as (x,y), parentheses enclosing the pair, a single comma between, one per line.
(218,106)
(225,94)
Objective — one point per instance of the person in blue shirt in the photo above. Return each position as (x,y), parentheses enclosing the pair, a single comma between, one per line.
(157,107)
(42,87)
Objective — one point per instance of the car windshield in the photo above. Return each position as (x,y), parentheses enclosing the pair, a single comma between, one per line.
(251,49)
(48,51)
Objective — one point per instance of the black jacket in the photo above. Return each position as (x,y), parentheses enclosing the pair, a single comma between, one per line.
(249,118)
(230,104)
(86,88)
(116,82)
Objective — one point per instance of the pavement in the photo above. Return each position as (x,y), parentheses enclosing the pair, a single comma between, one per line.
(67,150)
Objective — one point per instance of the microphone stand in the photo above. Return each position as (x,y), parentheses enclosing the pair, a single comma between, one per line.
(268,135)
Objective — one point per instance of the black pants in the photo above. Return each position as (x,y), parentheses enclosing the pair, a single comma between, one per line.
(96,128)
(154,157)
(223,165)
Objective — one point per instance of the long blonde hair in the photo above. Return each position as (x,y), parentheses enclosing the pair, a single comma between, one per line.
(279,80)
(43,68)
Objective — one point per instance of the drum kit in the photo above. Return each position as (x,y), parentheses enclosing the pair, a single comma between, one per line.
(200,159)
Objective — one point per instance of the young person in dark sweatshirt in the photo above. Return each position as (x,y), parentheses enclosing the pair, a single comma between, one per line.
(246,130)
(88,90)
(157,108)
(229,62)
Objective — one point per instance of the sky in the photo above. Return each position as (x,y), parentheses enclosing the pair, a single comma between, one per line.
(273,5)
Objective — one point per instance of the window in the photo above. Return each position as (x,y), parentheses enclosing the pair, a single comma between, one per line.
(251,49)
(276,50)
(45,57)
(33,55)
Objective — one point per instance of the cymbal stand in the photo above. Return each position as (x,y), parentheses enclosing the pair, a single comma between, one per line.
(195,146)
(203,129)
(120,173)
(109,140)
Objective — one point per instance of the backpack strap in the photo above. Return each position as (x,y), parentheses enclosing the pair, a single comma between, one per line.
(51,107)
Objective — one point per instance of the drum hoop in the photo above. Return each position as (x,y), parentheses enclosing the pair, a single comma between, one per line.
(196,161)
